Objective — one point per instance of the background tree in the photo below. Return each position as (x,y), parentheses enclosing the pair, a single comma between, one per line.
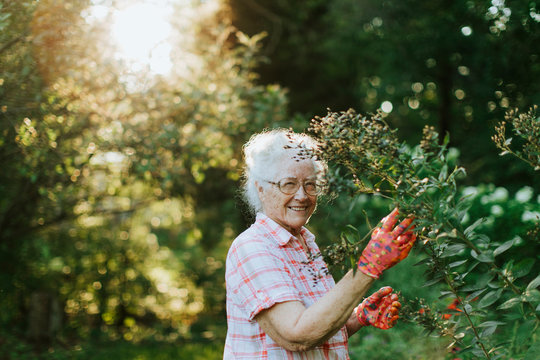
(118,183)
(456,65)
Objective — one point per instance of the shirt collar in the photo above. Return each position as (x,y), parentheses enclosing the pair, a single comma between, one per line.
(281,235)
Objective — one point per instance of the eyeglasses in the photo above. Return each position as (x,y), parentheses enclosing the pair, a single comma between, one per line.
(290,186)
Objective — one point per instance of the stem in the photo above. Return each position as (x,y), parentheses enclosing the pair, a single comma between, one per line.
(443,331)
(450,284)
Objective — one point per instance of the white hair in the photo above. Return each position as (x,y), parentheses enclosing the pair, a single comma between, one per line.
(263,154)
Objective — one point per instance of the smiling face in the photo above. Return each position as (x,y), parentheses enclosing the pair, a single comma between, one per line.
(290,211)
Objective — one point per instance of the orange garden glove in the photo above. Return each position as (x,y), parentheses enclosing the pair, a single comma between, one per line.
(379,310)
(387,247)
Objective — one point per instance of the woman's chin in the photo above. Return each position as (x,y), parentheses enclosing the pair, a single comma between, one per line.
(298,220)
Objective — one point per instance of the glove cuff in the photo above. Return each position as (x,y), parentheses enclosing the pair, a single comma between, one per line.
(359,312)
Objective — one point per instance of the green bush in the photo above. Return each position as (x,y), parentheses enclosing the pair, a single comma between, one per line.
(479,262)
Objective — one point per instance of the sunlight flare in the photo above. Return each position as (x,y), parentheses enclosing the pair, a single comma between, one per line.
(141,32)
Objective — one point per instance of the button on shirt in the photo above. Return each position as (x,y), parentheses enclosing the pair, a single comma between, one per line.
(267,265)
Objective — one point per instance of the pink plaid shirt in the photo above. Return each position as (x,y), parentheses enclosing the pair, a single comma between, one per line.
(267,265)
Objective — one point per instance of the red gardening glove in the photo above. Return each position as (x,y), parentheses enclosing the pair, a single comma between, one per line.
(387,247)
(379,310)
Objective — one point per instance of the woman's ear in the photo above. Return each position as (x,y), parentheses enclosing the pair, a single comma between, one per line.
(260,189)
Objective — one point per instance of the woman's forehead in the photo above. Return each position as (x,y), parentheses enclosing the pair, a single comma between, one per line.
(295,168)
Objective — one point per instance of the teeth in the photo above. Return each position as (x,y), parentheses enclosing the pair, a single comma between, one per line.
(297,208)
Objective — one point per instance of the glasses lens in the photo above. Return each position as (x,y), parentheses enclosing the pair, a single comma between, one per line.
(288,186)
(311,187)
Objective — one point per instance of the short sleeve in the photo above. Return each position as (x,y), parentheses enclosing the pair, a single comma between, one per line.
(257,277)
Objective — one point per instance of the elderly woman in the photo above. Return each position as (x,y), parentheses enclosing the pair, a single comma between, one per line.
(282,303)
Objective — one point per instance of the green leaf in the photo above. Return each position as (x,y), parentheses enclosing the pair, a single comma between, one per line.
(471,228)
(471,268)
(502,248)
(491,323)
(490,298)
(481,282)
(522,268)
(457,263)
(444,173)
(432,281)
(509,303)
(474,294)
(349,238)
(484,256)
(508,265)
(452,250)
(445,294)
(446,140)
(481,239)
(488,331)
(532,295)
(534,352)
(534,284)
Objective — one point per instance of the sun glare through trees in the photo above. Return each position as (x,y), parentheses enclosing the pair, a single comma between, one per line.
(140,32)
(150,37)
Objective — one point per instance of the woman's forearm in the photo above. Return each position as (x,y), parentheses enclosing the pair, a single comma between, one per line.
(332,311)
(294,326)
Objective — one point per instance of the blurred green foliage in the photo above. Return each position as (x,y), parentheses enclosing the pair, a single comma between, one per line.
(456,65)
(14,349)
(118,202)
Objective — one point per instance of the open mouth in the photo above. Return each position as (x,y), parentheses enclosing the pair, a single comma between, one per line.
(298,208)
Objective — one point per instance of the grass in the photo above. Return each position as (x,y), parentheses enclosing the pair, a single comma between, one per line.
(154,351)
(119,350)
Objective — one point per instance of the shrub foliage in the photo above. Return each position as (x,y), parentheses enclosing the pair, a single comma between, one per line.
(494,298)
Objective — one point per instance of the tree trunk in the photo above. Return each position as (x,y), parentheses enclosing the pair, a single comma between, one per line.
(44,317)
(445,95)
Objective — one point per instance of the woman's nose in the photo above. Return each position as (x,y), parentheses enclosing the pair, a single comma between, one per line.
(300,193)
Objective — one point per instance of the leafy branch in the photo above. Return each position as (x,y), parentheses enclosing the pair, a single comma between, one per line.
(527,128)
(365,156)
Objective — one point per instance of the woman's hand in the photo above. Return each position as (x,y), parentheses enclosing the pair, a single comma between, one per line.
(387,247)
(379,310)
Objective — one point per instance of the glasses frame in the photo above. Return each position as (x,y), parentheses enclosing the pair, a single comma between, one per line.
(320,185)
